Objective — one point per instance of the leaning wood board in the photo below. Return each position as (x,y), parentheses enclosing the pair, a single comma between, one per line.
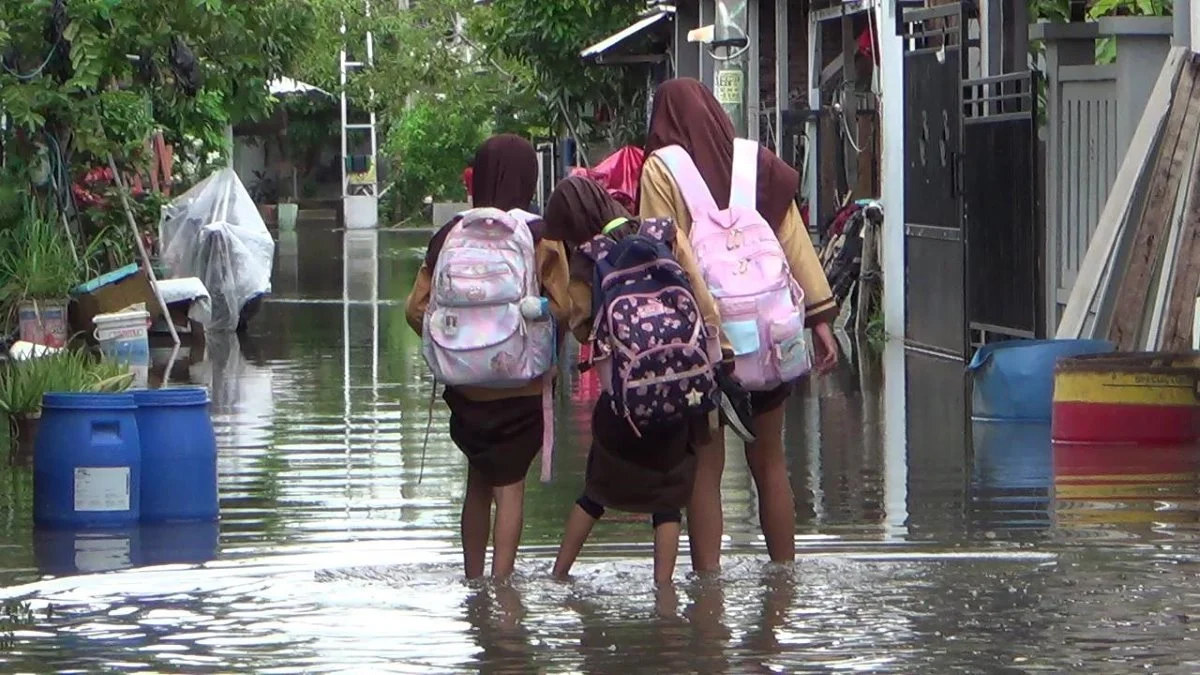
(1094,273)
(1181,307)
(1150,234)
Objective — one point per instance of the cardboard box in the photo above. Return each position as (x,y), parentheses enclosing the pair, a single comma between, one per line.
(112,292)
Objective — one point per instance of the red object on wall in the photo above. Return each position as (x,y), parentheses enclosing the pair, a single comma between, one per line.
(619,173)
(866,45)
(468,180)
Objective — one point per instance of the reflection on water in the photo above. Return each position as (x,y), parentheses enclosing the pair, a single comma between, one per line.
(927,543)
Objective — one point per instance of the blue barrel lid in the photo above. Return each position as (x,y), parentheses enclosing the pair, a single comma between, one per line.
(171,396)
(88,401)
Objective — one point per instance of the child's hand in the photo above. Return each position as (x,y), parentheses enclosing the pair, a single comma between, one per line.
(825,348)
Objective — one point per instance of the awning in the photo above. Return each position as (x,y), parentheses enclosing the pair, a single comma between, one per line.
(597,51)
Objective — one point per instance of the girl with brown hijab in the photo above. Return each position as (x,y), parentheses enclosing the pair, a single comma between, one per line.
(499,430)
(651,473)
(686,114)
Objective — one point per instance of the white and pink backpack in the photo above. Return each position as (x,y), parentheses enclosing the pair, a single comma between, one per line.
(486,324)
(761,305)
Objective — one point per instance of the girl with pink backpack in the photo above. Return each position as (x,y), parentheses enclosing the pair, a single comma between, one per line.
(487,302)
(736,203)
(638,300)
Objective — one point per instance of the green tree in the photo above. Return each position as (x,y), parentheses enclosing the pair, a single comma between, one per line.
(102,74)
(545,38)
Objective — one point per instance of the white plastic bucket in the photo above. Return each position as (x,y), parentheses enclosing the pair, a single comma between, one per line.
(125,337)
(287,216)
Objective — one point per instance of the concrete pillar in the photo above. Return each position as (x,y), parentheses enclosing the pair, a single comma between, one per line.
(891,78)
(1142,46)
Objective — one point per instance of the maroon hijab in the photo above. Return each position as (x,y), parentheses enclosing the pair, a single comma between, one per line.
(577,211)
(504,176)
(686,114)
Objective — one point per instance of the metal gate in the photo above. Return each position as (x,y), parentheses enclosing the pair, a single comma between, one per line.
(1000,217)
(935,298)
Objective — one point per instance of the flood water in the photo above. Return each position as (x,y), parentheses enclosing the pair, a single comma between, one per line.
(925,545)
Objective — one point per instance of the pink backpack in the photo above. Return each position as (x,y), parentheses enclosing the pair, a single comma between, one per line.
(761,305)
(486,324)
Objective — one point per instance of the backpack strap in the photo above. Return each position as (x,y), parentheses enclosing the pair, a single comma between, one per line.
(743,187)
(597,248)
(658,229)
(691,184)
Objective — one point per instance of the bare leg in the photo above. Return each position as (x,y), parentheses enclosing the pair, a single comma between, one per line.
(579,526)
(666,550)
(776,504)
(510,519)
(476,511)
(705,520)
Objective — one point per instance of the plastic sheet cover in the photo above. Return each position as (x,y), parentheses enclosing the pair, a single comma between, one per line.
(215,233)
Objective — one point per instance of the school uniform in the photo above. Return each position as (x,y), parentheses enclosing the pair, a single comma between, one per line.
(499,430)
(661,197)
(651,473)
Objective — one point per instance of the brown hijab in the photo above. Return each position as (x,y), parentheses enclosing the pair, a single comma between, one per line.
(687,114)
(577,211)
(504,176)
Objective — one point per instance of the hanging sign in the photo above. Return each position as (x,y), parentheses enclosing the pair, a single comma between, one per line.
(729,86)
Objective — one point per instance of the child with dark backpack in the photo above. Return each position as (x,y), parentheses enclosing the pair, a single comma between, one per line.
(486,303)
(652,332)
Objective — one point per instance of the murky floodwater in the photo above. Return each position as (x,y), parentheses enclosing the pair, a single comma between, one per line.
(337,547)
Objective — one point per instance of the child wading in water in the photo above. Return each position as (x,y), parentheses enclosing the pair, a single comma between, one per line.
(483,302)
(735,202)
(652,331)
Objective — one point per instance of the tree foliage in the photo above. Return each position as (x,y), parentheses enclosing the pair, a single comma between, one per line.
(103,74)
(546,38)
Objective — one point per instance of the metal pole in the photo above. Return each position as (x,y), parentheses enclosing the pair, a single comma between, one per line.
(731,45)
(137,237)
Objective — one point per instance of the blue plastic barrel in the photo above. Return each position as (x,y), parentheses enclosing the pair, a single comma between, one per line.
(191,543)
(179,455)
(87,461)
(1014,380)
(65,551)
(1012,473)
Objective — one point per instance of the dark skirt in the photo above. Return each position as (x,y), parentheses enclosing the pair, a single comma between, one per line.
(644,474)
(500,438)
(766,401)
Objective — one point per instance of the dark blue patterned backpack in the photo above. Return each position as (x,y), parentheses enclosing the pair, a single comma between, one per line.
(653,353)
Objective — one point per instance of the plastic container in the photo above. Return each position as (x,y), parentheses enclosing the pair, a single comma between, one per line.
(44,322)
(125,337)
(1147,398)
(179,455)
(193,543)
(1012,473)
(1014,380)
(288,213)
(87,462)
(67,551)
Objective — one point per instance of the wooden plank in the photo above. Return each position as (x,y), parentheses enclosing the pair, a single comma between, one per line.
(1150,235)
(1166,272)
(1181,308)
(1109,229)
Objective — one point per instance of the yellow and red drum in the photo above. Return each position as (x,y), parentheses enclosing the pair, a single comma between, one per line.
(1141,398)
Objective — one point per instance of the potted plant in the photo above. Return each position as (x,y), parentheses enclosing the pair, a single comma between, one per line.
(23,382)
(289,210)
(39,268)
(265,193)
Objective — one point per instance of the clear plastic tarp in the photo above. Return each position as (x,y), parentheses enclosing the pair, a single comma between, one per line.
(215,233)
